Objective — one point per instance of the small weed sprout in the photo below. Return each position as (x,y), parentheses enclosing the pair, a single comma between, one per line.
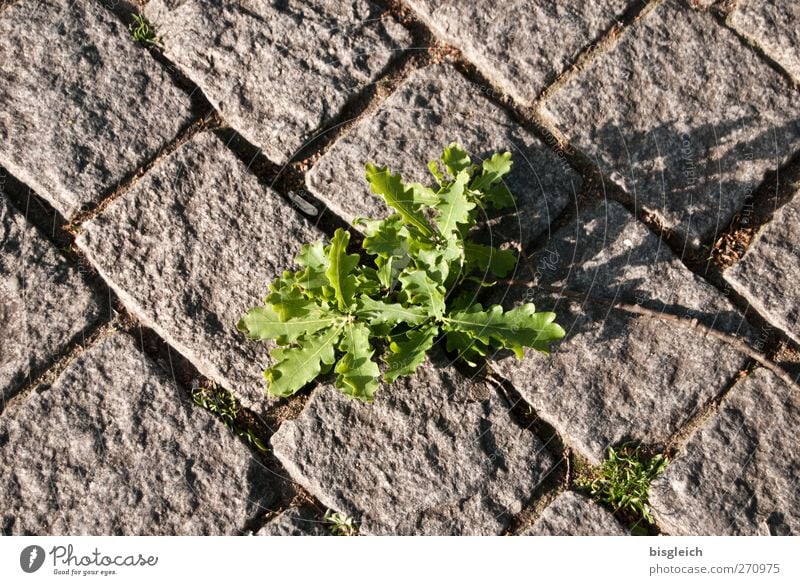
(222,404)
(340,524)
(623,480)
(142,31)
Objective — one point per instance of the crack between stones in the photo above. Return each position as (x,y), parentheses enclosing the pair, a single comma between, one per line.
(83,341)
(776,190)
(94,209)
(721,13)
(558,477)
(701,415)
(603,43)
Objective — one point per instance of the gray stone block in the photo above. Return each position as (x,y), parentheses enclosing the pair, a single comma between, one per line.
(278,71)
(434,107)
(522,45)
(618,376)
(82,105)
(571,514)
(45,303)
(114,447)
(684,116)
(605,252)
(768,273)
(434,454)
(190,248)
(293,522)
(738,473)
(774,26)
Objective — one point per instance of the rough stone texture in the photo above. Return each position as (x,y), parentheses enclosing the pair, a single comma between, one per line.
(114,447)
(768,273)
(738,473)
(82,105)
(293,522)
(522,45)
(571,514)
(774,26)
(434,107)
(618,376)
(278,72)
(684,116)
(44,303)
(605,252)
(190,248)
(434,454)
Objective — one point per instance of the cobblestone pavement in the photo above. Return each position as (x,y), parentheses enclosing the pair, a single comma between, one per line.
(150,191)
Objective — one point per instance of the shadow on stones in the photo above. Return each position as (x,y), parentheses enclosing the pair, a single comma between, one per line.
(687,171)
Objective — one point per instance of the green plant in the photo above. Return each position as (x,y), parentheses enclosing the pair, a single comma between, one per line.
(417,283)
(339,524)
(623,480)
(222,404)
(142,31)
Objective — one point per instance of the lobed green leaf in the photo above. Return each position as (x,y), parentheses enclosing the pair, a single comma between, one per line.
(297,366)
(407,354)
(358,374)
(515,329)
(396,196)
(340,268)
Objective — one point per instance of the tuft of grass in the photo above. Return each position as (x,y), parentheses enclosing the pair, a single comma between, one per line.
(340,524)
(222,404)
(142,31)
(623,480)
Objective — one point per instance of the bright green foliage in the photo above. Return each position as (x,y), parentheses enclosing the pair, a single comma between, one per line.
(406,289)
(623,480)
(340,524)
(142,31)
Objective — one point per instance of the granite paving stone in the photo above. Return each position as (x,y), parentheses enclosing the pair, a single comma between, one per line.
(434,107)
(45,302)
(522,45)
(768,273)
(434,454)
(684,116)
(82,105)
(114,447)
(278,71)
(774,26)
(190,248)
(618,376)
(738,473)
(572,514)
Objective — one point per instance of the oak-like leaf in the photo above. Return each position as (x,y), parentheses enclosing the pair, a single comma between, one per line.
(419,289)
(264,323)
(298,365)
(340,268)
(378,312)
(454,206)
(396,196)
(358,374)
(409,352)
(489,259)
(515,329)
